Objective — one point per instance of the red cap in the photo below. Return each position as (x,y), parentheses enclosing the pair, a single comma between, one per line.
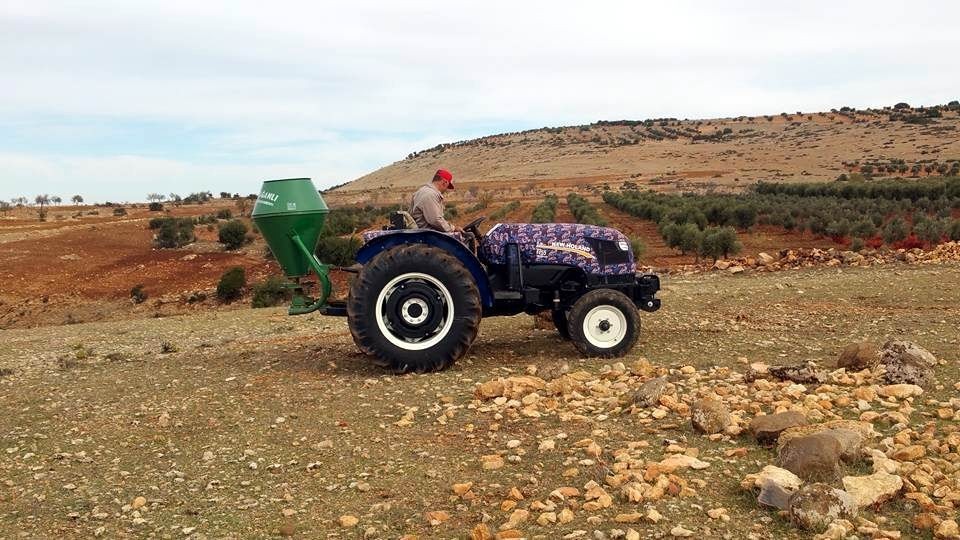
(445,174)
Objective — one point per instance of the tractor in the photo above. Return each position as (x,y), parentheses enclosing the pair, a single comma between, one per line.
(418,295)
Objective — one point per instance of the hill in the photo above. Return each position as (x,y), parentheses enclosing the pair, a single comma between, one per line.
(671,154)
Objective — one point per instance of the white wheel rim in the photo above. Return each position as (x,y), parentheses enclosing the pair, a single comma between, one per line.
(604,327)
(437,334)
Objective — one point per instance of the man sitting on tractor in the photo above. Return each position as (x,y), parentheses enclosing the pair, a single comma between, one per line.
(427,204)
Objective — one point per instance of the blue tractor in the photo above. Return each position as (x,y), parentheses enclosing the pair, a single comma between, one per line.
(416,301)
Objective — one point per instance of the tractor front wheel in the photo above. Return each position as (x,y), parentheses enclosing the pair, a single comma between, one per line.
(604,323)
(414,307)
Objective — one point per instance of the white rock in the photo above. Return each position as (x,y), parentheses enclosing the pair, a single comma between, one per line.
(873,489)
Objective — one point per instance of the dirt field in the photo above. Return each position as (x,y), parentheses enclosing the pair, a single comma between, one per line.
(82,267)
(249,423)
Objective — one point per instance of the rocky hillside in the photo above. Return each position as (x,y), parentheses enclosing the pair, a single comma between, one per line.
(682,154)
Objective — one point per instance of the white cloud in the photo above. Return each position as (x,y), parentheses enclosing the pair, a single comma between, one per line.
(345,87)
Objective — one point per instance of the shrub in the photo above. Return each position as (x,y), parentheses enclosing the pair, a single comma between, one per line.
(451,212)
(198,198)
(745,215)
(930,230)
(137,294)
(546,211)
(856,245)
(271,292)
(863,228)
(224,213)
(638,247)
(502,212)
(719,242)
(838,229)
(206,218)
(583,211)
(174,232)
(155,207)
(233,234)
(120,211)
(895,231)
(954,231)
(789,223)
(689,238)
(231,284)
(338,251)
(348,220)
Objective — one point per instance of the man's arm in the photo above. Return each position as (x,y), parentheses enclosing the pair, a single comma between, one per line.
(433,214)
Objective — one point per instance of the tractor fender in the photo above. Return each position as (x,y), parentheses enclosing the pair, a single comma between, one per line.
(389,239)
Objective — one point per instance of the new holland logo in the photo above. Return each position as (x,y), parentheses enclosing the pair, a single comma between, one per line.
(583,251)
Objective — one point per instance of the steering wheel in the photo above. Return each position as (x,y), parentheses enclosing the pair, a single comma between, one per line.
(472,226)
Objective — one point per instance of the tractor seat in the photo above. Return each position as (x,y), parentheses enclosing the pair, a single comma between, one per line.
(402,220)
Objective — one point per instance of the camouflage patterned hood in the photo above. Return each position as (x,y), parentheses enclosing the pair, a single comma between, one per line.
(598,250)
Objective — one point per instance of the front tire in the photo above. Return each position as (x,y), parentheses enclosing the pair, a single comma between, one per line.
(416,308)
(604,323)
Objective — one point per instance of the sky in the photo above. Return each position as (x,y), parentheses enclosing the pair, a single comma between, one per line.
(113,100)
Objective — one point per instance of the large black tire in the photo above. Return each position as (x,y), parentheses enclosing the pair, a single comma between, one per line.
(399,311)
(560,321)
(604,323)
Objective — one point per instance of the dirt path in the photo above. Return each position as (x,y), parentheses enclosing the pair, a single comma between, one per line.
(255,422)
(563,214)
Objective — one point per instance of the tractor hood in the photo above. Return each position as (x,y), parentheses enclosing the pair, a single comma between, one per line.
(597,250)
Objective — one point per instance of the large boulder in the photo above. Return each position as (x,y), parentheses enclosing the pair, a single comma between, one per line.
(905,362)
(814,506)
(813,458)
(709,416)
(851,435)
(857,356)
(767,428)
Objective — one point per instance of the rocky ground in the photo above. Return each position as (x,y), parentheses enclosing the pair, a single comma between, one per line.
(249,423)
(792,259)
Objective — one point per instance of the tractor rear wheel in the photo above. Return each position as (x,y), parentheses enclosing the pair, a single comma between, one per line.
(604,323)
(414,307)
